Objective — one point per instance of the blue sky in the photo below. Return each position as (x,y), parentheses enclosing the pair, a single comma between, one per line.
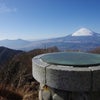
(40,19)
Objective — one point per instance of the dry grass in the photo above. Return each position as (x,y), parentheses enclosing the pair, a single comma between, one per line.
(27,92)
(9,93)
(21,86)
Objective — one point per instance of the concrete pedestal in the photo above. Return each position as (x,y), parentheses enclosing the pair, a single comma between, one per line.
(55,94)
(59,82)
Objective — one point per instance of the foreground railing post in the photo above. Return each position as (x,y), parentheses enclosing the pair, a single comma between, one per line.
(67,76)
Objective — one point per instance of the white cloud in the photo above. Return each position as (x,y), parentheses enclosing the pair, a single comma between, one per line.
(5,9)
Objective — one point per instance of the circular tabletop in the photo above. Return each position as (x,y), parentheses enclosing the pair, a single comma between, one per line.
(71,71)
(72,59)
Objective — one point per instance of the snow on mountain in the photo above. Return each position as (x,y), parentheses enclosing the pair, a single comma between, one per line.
(83,32)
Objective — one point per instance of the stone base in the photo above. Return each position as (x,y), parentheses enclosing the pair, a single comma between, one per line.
(48,93)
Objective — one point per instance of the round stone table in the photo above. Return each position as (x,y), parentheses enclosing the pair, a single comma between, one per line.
(67,75)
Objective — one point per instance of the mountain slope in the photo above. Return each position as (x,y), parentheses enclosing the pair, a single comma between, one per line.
(21,65)
(18,73)
(6,55)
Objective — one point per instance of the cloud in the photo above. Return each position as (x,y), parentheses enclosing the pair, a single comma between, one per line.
(5,9)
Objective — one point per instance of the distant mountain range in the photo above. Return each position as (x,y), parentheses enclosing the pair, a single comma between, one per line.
(83,39)
(14,44)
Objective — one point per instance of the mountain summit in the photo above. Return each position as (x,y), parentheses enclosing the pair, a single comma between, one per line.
(83,32)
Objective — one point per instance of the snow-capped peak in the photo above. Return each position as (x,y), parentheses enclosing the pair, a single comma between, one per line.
(83,32)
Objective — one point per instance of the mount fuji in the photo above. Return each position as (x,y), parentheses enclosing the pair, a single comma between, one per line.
(83,32)
(83,40)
